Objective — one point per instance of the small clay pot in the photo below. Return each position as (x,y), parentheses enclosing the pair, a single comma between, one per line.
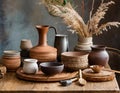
(98,55)
(25,44)
(11,60)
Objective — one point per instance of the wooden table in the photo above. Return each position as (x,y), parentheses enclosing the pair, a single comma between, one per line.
(10,83)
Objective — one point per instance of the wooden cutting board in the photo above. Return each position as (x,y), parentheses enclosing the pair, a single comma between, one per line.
(40,76)
(89,75)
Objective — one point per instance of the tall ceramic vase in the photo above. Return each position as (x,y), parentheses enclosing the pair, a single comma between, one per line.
(84,44)
(43,52)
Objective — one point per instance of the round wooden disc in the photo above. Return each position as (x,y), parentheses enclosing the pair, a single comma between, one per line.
(40,76)
(89,75)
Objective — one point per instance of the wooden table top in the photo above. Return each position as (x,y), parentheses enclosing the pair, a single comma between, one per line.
(11,83)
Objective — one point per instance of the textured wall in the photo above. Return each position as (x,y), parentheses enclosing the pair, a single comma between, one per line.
(19,17)
(18,20)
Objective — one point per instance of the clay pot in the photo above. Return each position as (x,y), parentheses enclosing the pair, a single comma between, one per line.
(11,60)
(43,52)
(98,55)
(25,44)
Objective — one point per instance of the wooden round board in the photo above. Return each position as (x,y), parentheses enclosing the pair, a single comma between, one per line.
(40,76)
(89,75)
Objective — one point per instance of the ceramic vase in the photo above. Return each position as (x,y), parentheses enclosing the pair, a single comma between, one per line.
(43,52)
(84,44)
(61,43)
(98,55)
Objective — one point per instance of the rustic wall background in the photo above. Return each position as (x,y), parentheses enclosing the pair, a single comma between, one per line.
(19,17)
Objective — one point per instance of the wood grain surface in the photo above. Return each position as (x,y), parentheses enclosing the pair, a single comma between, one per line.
(12,84)
(40,76)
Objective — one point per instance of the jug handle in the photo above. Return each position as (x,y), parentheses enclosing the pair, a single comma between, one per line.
(54,29)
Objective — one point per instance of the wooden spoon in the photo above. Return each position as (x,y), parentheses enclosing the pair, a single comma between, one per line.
(97,69)
(81,81)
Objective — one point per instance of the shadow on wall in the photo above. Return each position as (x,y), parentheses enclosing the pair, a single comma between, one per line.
(114,62)
(112,37)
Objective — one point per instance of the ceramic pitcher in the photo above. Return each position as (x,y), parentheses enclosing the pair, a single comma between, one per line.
(43,52)
(30,66)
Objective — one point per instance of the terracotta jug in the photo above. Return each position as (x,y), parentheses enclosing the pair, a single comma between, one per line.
(43,52)
(98,55)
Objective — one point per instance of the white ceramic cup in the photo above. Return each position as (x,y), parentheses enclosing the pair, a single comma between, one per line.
(30,66)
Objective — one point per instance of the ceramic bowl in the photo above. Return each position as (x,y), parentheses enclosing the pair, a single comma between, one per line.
(74,60)
(51,68)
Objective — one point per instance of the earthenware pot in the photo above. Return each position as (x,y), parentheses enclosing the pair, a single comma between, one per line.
(43,52)
(30,66)
(11,59)
(25,44)
(98,55)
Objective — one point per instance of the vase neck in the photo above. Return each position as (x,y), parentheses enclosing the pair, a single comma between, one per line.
(42,31)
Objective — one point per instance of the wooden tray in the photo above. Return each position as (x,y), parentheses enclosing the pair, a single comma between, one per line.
(44,78)
(89,75)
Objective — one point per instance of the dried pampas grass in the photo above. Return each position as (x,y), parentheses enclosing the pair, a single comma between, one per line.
(76,23)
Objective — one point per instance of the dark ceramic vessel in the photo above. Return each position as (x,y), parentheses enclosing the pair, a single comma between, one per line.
(51,68)
(61,44)
(98,55)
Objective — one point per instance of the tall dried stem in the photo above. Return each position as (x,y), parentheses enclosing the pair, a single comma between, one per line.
(76,23)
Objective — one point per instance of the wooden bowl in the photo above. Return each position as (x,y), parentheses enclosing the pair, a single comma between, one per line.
(51,68)
(75,60)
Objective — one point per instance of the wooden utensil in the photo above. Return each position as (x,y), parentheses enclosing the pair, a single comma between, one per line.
(97,69)
(81,81)
(112,70)
(67,82)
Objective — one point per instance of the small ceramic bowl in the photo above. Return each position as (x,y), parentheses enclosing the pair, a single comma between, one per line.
(51,68)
